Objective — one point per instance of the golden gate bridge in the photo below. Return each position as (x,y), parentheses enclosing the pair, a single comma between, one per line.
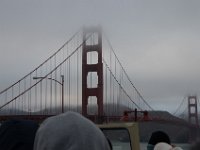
(83,75)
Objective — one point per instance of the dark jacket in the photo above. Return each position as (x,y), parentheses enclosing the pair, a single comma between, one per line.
(17,135)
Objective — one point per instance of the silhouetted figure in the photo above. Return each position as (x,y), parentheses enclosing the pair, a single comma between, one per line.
(157,137)
(69,131)
(17,135)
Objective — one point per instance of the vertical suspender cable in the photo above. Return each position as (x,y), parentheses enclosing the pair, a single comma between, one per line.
(30,95)
(65,83)
(111,82)
(63,73)
(60,70)
(51,89)
(13,105)
(19,98)
(6,97)
(36,97)
(68,80)
(24,100)
(45,105)
(41,97)
(77,80)
(55,86)
(106,101)
(69,85)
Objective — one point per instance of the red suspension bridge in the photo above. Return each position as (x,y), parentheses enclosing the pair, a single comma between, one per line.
(83,75)
(79,76)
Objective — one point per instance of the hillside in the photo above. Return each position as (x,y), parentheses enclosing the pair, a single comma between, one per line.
(177,132)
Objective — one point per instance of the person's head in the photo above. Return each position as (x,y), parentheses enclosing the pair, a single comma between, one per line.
(69,131)
(157,137)
(17,134)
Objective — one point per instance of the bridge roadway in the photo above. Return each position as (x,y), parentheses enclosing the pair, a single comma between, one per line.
(95,118)
(194,130)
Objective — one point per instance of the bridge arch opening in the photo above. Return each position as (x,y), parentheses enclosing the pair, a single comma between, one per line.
(92,80)
(92,57)
(92,107)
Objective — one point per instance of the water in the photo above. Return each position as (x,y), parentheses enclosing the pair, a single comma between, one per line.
(184,146)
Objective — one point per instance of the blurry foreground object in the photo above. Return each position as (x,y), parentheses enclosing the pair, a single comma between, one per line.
(69,131)
(196,145)
(165,146)
(17,134)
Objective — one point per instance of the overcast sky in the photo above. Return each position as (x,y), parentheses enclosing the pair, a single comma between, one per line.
(157,41)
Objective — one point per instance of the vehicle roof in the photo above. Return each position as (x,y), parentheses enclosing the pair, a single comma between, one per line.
(117,125)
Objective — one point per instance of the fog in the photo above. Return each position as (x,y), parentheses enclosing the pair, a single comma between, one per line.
(156,41)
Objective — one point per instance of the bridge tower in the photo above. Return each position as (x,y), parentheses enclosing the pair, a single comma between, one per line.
(87,68)
(192,110)
(193,118)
